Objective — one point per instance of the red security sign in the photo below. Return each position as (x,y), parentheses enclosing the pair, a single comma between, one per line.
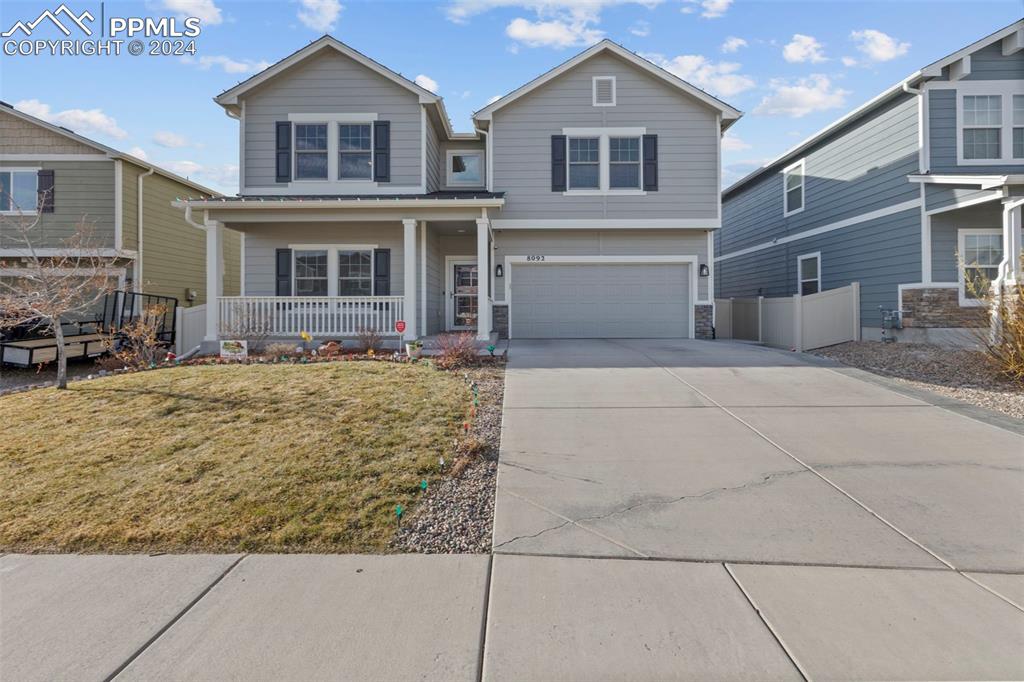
(400,326)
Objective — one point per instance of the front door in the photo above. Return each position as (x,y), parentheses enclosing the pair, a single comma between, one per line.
(462,283)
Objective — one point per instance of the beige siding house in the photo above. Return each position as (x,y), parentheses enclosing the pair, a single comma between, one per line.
(582,204)
(160,253)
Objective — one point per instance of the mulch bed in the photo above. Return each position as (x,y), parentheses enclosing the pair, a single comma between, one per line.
(958,373)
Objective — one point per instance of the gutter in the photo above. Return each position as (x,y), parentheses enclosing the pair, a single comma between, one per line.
(138,235)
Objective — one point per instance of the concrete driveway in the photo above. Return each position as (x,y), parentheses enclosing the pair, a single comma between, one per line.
(869,527)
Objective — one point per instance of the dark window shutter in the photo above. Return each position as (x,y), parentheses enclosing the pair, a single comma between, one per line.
(382,272)
(284,272)
(284,151)
(382,151)
(558,165)
(45,190)
(650,163)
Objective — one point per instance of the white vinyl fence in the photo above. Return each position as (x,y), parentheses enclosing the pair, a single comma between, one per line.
(190,329)
(795,322)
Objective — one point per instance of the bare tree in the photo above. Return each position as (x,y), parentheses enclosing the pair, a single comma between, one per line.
(45,286)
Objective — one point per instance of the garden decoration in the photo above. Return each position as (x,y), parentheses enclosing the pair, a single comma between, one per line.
(490,349)
(423,485)
(398,513)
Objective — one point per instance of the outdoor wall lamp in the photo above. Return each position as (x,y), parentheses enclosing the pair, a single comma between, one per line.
(499,271)
(704,271)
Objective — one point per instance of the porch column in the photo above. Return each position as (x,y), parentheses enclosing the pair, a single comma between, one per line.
(1012,238)
(483,278)
(409,278)
(214,278)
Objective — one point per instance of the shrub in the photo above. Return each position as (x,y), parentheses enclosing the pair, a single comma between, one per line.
(369,338)
(276,350)
(1003,339)
(135,345)
(456,350)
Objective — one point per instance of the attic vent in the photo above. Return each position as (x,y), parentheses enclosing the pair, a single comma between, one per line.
(604,91)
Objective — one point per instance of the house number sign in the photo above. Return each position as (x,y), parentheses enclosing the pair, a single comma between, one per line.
(534,259)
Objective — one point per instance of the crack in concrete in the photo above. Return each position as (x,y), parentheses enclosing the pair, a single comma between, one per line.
(547,473)
(533,535)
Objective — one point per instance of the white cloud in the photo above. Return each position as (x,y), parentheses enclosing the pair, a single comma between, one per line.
(640,28)
(82,121)
(801,97)
(849,61)
(494,99)
(319,15)
(720,78)
(223,177)
(206,10)
(229,65)
(877,46)
(138,153)
(185,168)
(803,49)
(733,44)
(731,143)
(554,33)
(461,11)
(426,82)
(710,9)
(166,138)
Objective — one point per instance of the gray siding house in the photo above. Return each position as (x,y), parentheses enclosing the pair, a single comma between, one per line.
(895,195)
(582,205)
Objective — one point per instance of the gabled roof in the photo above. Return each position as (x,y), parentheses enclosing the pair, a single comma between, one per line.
(729,114)
(1012,35)
(230,96)
(109,151)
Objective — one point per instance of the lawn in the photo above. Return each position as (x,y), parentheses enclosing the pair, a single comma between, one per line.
(260,458)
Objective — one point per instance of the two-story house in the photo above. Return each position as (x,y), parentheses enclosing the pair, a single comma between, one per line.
(61,179)
(915,194)
(582,205)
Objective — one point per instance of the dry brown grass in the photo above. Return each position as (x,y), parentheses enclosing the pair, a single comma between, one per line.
(224,458)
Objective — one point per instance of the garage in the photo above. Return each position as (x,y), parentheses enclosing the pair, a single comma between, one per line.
(560,300)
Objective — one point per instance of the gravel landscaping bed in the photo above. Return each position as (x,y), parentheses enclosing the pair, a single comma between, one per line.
(456,515)
(952,372)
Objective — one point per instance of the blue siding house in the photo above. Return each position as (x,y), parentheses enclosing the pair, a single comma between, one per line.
(895,195)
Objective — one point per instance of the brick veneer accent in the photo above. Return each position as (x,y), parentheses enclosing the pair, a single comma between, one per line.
(499,320)
(940,308)
(702,327)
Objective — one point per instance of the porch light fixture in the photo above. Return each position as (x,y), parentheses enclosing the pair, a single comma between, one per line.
(499,271)
(704,271)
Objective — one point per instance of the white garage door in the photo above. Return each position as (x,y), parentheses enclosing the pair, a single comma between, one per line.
(591,300)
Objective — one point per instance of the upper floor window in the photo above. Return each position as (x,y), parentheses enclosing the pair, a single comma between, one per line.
(18,191)
(355,145)
(465,168)
(584,163)
(793,188)
(990,122)
(624,162)
(310,151)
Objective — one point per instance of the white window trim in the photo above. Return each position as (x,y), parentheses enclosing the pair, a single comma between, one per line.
(23,169)
(593,91)
(1006,89)
(464,152)
(799,273)
(332,181)
(603,135)
(332,263)
(961,281)
(802,164)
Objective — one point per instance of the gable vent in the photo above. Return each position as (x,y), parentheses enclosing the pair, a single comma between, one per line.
(604,91)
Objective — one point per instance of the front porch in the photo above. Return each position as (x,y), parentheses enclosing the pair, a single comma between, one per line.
(339,268)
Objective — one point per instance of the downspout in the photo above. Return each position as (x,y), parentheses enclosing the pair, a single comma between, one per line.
(138,235)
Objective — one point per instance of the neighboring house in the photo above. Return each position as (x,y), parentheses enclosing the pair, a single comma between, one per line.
(126,201)
(928,174)
(583,205)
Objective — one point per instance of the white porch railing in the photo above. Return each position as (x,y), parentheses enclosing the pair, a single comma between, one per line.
(321,316)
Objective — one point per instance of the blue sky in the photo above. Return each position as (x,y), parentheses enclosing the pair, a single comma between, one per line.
(793,67)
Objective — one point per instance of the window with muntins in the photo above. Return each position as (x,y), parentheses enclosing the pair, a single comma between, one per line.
(584,163)
(355,147)
(18,191)
(982,251)
(624,162)
(311,151)
(793,188)
(1018,126)
(982,126)
(310,273)
(355,273)
(809,269)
